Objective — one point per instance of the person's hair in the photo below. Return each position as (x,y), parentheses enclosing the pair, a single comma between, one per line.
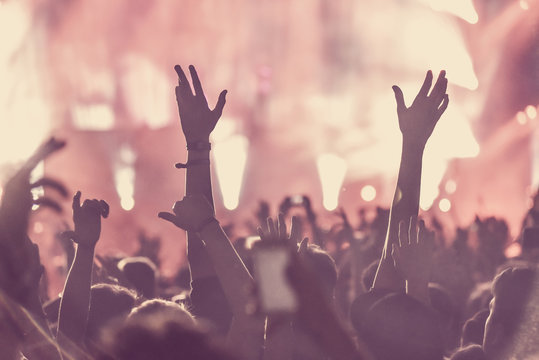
(400,327)
(479,298)
(106,303)
(141,273)
(515,312)
(447,314)
(324,267)
(473,329)
(160,336)
(362,304)
(471,352)
(160,306)
(511,290)
(368,275)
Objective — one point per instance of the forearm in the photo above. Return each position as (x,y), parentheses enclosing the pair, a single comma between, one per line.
(198,174)
(232,273)
(75,304)
(198,181)
(405,204)
(406,198)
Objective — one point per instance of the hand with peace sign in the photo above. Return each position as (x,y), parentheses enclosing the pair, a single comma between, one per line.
(197,120)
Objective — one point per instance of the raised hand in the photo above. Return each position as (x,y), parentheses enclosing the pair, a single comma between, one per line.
(17,198)
(418,121)
(197,120)
(413,254)
(277,232)
(87,220)
(191,213)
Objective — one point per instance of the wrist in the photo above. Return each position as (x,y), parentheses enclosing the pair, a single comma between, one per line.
(199,145)
(208,226)
(414,146)
(85,245)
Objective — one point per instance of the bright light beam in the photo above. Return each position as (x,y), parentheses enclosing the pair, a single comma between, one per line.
(331,170)
(230,158)
(124,177)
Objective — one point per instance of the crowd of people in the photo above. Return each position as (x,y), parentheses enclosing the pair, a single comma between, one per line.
(388,287)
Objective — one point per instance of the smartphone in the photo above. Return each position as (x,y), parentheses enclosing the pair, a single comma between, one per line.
(275,294)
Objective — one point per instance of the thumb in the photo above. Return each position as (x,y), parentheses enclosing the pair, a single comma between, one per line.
(220,104)
(399,98)
(169,217)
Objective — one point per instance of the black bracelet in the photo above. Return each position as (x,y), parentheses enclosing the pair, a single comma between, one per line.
(199,146)
(192,163)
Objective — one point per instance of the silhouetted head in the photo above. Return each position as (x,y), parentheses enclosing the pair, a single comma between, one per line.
(446,311)
(141,273)
(362,304)
(161,307)
(324,267)
(473,330)
(471,352)
(400,327)
(161,336)
(107,303)
(511,329)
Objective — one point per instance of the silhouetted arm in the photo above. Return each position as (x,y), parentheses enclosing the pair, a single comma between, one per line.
(20,266)
(197,121)
(75,304)
(195,214)
(416,124)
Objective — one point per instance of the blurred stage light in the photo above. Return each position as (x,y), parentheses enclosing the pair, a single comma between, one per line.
(444,205)
(124,177)
(146,91)
(513,250)
(95,117)
(524,4)
(450,186)
(437,43)
(230,157)
(368,193)
(14,25)
(331,170)
(522,118)
(38,227)
(225,128)
(37,173)
(531,111)
(127,203)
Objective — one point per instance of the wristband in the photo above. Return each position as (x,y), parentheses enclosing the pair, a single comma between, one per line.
(192,163)
(198,146)
(205,223)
